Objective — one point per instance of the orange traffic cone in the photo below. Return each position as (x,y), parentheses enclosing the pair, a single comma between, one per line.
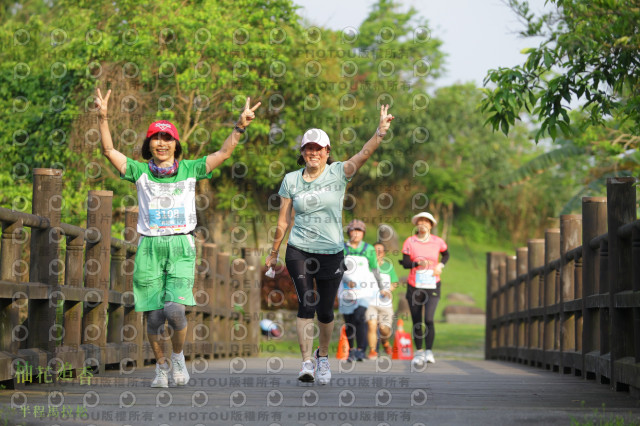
(402,347)
(343,344)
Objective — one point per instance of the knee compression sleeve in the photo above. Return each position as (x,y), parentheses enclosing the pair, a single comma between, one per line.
(155,321)
(175,314)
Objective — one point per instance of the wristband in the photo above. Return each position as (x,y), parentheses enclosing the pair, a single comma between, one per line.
(382,135)
(239,129)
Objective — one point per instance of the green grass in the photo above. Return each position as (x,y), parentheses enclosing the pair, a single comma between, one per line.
(452,341)
(598,418)
(459,339)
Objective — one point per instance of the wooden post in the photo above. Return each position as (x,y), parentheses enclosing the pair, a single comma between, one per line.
(73,278)
(603,374)
(500,300)
(502,282)
(536,259)
(13,238)
(493,261)
(209,261)
(44,264)
(116,310)
(97,265)
(522,267)
(511,303)
(635,261)
(10,263)
(578,313)
(253,286)
(551,253)
(73,262)
(594,223)
(132,332)
(223,327)
(237,327)
(570,238)
(621,209)
(511,276)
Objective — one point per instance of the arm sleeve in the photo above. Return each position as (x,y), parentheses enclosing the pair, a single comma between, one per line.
(407,263)
(370,253)
(381,284)
(445,257)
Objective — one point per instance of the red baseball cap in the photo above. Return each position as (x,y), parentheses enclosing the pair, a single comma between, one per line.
(163,126)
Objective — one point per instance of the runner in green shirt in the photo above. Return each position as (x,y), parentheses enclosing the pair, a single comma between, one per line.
(165,261)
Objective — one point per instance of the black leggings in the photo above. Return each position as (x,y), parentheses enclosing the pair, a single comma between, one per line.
(419,298)
(326,269)
(356,325)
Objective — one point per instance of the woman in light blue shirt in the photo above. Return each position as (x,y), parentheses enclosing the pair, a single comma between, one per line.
(315,194)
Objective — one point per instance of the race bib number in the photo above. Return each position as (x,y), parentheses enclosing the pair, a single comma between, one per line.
(167,218)
(425,279)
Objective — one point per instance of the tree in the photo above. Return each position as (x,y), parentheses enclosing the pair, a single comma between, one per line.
(589,53)
(467,162)
(394,61)
(189,62)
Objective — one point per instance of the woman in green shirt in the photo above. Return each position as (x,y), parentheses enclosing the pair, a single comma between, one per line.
(315,194)
(165,261)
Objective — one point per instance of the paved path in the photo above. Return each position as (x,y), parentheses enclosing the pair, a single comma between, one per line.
(261,391)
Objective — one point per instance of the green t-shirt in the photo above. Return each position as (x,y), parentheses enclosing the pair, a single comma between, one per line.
(387,271)
(369,252)
(166,205)
(317,227)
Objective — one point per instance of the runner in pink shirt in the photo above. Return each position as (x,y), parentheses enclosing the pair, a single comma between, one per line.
(421,253)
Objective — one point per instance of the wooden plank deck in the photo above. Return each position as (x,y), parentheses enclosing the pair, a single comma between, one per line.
(261,391)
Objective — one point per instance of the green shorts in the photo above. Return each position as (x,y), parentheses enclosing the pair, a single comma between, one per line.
(164,271)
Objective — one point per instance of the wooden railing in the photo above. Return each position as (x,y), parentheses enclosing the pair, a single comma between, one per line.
(571,301)
(78,312)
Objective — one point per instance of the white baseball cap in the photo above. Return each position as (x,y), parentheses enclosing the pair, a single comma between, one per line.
(425,215)
(318,136)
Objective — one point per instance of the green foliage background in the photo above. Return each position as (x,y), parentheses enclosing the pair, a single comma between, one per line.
(194,63)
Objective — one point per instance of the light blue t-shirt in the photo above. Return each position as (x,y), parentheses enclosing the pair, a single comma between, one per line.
(317,227)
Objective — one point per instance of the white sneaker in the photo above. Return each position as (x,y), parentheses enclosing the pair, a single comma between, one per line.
(162,377)
(180,373)
(324,370)
(418,359)
(428,357)
(307,374)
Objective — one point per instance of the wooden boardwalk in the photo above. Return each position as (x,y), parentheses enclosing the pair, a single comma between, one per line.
(261,391)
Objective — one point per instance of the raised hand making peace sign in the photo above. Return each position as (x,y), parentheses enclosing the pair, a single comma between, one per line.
(102,102)
(385,119)
(248,114)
